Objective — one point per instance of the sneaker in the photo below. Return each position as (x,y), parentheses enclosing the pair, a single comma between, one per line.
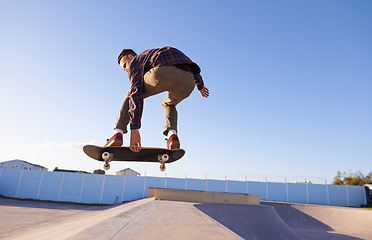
(115,141)
(173,142)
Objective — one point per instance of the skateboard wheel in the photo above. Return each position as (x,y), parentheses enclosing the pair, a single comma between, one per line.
(164,157)
(106,156)
(106,167)
(162,167)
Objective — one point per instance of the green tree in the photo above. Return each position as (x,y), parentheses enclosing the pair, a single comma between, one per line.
(99,171)
(357,178)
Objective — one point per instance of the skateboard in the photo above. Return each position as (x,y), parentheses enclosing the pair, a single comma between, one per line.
(146,154)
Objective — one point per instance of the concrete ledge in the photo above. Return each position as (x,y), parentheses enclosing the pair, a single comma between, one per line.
(202,197)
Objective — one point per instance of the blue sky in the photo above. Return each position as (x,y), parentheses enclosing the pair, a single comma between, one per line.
(290,83)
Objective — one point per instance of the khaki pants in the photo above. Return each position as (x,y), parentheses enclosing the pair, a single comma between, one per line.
(177,82)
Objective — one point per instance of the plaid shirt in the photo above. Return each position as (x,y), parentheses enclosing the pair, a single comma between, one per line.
(142,63)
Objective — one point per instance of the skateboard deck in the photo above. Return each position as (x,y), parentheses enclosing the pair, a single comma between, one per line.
(146,154)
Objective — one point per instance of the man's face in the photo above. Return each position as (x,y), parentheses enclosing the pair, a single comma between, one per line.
(124,62)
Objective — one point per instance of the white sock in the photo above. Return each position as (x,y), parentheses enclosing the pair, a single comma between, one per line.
(116,130)
(171,132)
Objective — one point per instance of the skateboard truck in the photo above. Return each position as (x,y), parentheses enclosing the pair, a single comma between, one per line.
(162,159)
(107,157)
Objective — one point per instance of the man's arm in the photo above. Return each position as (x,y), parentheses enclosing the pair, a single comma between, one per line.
(136,105)
(136,96)
(135,140)
(199,81)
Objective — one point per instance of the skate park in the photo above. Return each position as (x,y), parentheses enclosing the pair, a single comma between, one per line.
(45,205)
(290,95)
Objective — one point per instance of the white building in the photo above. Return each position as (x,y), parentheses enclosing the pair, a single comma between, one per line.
(20,164)
(128,171)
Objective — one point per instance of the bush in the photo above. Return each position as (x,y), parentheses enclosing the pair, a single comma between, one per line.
(99,171)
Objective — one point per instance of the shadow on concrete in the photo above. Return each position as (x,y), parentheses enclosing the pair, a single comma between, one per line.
(306,225)
(30,203)
(266,222)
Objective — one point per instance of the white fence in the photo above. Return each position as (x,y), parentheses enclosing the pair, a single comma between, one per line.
(111,189)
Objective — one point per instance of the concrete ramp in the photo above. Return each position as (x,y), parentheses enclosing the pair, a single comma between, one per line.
(325,222)
(161,220)
(292,221)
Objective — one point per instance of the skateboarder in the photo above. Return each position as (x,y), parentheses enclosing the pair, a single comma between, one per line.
(152,72)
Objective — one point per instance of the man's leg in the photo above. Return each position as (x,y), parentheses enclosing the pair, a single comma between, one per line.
(121,125)
(180,86)
(123,118)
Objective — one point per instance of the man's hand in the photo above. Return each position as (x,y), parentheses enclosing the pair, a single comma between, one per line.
(135,140)
(204,92)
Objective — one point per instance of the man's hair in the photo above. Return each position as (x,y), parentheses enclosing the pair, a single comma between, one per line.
(126,52)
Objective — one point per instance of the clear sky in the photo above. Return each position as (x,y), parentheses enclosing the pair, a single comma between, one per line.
(290,83)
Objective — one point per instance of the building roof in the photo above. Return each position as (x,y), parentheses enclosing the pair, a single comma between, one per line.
(32,164)
(128,169)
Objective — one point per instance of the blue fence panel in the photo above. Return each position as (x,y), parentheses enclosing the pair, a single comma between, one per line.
(113,189)
(9,181)
(357,196)
(337,195)
(318,194)
(133,188)
(277,191)
(92,189)
(297,193)
(195,184)
(236,187)
(29,185)
(71,187)
(176,183)
(156,182)
(216,186)
(257,188)
(50,186)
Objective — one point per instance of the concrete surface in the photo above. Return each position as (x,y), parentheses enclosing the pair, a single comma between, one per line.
(202,196)
(292,221)
(142,219)
(154,219)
